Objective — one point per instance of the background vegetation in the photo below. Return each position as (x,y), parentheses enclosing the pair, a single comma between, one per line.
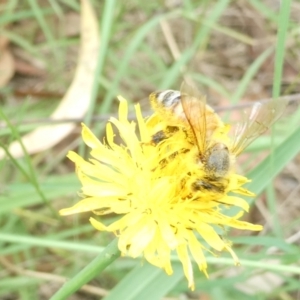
(235,51)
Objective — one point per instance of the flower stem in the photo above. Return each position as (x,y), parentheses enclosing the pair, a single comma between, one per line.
(104,259)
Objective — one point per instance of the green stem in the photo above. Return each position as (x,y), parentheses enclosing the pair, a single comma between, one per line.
(104,259)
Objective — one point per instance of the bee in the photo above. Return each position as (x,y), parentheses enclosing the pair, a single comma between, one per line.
(187,109)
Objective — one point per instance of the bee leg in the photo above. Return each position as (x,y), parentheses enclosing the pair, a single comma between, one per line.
(158,137)
(163,134)
(208,185)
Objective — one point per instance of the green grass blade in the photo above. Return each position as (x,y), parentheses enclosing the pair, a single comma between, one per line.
(146,282)
(265,10)
(44,26)
(267,170)
(280,47)
(201,38)
(106,25)
(250,73)
(136,41)
(104,259)
(209,82)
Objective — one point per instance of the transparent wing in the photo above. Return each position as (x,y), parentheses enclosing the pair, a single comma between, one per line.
(194,107)
(261,117)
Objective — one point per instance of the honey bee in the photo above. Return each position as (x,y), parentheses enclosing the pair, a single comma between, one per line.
(187,109)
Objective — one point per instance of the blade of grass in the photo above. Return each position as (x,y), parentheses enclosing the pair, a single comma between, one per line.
(136,41)
(267,242)
(293,269)
(243,38)
(7,18)
(45,27)
(265,10)
(104,259)
(201,37)
(71,3)
(30,175)
(250,73)
(283,23)
(22,43)
(56,8)
(29,242)
(47,243)
(212,84)
(267,170)
(22,195)
(10,6)
(145,282)
(106,25)
(273,212)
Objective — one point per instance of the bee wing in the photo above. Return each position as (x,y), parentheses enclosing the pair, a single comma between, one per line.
(194,107)
(261,117)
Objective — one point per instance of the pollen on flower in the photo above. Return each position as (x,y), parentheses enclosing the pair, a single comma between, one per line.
(149,186)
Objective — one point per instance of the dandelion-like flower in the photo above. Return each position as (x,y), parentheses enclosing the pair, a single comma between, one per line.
(148,186)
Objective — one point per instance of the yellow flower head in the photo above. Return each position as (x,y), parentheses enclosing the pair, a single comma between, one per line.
(150,187)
